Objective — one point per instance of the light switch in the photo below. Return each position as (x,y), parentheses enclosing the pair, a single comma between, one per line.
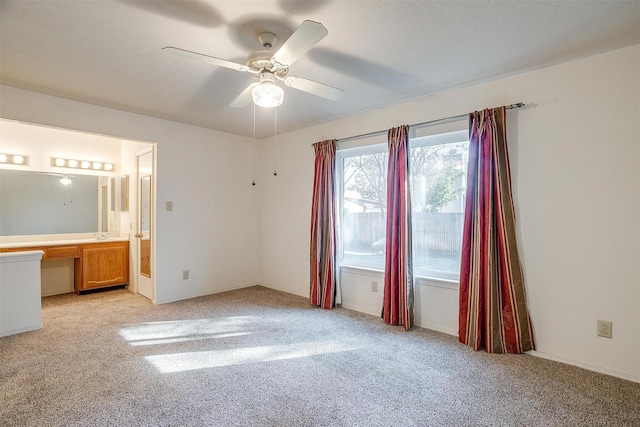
(169,206)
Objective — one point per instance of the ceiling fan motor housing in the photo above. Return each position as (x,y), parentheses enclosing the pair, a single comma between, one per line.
(260,60)
(267,76)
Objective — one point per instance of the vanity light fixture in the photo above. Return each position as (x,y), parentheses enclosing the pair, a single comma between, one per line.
(14,159)
(61,162)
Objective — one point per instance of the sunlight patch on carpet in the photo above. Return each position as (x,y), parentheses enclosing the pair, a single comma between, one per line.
(188,338)
(186,330)
(180,362)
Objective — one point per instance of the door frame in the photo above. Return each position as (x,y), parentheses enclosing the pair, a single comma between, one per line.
(153,230)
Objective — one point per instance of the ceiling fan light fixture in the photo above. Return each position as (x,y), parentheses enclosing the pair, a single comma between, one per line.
(267,94)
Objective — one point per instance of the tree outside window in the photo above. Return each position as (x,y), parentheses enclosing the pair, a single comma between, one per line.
(438,174)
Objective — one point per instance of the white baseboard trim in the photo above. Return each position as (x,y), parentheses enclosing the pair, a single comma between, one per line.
(438,328)
(20,330)
(278,288)
(431,326)
(203,294)
(360,309)
(588,366)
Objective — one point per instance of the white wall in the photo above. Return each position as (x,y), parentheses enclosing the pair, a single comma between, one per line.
(574,155)
(207,174)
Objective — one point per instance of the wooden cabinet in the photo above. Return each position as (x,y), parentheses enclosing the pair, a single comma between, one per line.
(102,265)
(98,264)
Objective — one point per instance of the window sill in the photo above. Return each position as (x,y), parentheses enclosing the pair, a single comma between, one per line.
(437,282)
(358,269)
(419,280)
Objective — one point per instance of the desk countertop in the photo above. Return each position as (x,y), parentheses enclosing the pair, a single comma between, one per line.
(56,242)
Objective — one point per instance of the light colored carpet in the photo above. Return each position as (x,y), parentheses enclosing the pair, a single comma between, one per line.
(258,357)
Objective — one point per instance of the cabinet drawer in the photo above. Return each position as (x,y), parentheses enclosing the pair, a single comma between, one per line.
(63,252)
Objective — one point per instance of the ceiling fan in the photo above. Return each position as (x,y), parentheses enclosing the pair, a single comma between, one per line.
(268,67)
(65,179)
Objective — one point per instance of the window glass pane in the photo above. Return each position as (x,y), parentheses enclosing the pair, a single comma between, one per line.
(364,186)
(438,179)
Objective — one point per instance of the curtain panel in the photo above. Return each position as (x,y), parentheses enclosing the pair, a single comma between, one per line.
(493,314)
(397,306)
(324,289)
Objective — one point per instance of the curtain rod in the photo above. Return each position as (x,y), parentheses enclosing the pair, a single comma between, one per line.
(430,122)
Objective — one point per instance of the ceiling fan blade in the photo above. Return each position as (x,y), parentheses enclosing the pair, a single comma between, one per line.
(307,35)
(244,98)
(202,57)
(315,88)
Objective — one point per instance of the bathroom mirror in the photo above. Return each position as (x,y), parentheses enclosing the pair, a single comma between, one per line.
(38,203)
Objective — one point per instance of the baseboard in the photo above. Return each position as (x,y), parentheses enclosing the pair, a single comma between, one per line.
(360,309)
(587,366)
(20,330)
(438,328)
(204,294)
(277,288)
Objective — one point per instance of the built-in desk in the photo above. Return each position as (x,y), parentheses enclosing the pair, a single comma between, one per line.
(97,263)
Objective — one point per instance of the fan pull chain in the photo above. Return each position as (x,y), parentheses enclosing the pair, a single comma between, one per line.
(67,188)
(253,176)
(275,142)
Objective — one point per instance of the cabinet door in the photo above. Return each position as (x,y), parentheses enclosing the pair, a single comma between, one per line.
(105,266)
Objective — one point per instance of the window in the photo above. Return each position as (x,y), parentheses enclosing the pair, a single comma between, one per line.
(438,179)
(363,205)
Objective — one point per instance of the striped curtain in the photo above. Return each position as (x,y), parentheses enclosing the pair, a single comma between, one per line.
(493,314)
(397,306)
(324,292)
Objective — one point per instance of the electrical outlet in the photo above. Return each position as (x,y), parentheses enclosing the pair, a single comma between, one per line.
(169,206)
(605,329)
(185,274)
(374,286)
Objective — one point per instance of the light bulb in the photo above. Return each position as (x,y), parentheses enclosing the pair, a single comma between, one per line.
(267,94)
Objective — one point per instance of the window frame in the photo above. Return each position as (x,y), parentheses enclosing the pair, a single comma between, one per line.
(373,147)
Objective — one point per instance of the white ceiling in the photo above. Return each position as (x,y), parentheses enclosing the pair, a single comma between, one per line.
(379,52)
